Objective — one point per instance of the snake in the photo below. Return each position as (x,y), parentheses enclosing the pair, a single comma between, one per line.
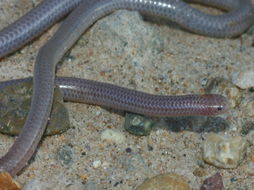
(82,14)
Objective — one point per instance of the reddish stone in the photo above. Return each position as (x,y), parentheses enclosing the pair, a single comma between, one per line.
(213,183)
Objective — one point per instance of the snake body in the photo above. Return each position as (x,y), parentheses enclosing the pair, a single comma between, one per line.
(116,97)
(85,13)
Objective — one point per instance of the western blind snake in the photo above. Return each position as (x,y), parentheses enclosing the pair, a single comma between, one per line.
(238,18)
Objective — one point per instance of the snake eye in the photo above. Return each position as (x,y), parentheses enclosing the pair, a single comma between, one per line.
(219,108)
(223,106)
(218,104)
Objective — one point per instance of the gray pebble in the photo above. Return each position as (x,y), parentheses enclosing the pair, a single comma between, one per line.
(15,103)
(65,155)
(138,125)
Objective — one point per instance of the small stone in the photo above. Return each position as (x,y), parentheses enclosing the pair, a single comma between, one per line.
(168,181)
(84,177)
(226,88)
(65,155)
(128,150)
(213,183)
(199,172)
(224,152)
(244,79)
(98,113)
(133,162)
(113,136)
(204,81)
(96,164)
(15,103)
(150,147)
(138,125)
(233,179)
(8,183)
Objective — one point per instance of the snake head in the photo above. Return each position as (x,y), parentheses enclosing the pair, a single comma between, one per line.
(216,104)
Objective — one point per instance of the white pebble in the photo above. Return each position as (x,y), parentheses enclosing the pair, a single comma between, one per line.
(96,164)
(98,113)
(113,136)
(244,79)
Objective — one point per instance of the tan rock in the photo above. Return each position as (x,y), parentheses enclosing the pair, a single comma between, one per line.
(7,183)
(223,151)
(169,181)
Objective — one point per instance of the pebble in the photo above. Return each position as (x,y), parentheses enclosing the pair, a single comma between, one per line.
(96,164)
(223,151)
(121,42)
(8,183)
(134,163)
(138,125)
(244,79)
(169,181)
(15,102)
(113,136)
(213,183)
(65,155)
(199,172)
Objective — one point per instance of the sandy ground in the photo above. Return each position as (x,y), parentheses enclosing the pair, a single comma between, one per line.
(177,62)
